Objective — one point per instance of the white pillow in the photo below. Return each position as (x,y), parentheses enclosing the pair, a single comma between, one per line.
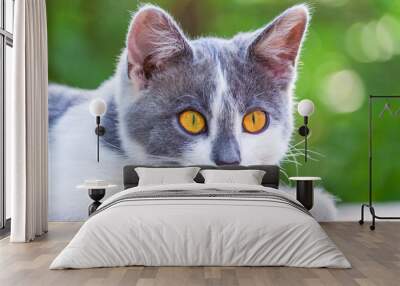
(248,177)
(163,176)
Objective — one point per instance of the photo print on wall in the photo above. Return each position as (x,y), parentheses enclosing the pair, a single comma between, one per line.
(176,101)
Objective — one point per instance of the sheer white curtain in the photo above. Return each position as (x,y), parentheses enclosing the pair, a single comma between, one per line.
(27,123)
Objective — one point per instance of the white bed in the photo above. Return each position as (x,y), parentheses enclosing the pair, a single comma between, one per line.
(185,230)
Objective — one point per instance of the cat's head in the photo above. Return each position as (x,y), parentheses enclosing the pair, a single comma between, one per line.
(209,100)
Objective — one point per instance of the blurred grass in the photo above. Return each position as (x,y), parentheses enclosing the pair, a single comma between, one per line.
(86,37)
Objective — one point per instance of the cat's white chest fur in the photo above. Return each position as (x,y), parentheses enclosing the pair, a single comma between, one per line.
(72,159)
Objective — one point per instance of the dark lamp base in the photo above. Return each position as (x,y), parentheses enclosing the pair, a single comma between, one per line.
(96,195)
(305,193)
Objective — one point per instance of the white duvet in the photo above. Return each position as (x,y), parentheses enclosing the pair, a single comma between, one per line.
(200,231)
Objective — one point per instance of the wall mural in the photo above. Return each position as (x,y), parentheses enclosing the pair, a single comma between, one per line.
(182,98)
(173,100)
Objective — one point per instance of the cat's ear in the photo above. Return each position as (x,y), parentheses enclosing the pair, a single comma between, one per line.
(154,40)
(277,46)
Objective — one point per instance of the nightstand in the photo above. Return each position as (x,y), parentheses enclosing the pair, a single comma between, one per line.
(96,190)
(305,190)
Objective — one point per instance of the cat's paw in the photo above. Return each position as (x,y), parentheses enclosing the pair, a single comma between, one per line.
(324,205)
(324,208)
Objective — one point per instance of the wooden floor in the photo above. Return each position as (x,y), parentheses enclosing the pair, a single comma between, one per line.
(375,257)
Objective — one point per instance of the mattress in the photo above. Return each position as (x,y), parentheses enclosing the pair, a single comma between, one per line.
(201,225)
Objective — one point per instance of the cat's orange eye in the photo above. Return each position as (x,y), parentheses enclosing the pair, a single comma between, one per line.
(192,121)
(255,121)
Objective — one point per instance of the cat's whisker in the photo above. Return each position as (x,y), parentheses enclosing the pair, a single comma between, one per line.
(312,159)
(296,149)
(296,163)
(291,161)
(296,154)
(301,151)
(297,144)
(294,159)
(296,166)
(316,153)
(285,174)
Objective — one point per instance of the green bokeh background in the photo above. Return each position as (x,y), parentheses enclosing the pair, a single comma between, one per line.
(86,37)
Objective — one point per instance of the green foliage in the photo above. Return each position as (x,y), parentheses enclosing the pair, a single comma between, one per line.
(355,36)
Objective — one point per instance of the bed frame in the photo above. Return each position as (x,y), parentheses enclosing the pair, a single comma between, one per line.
(270,179)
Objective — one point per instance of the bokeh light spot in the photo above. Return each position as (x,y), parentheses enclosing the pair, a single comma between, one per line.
(374,41)
(353,43)
(343,91)
(391,26)
(369,42)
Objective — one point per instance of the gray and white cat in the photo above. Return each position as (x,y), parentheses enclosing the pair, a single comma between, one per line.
(178,101)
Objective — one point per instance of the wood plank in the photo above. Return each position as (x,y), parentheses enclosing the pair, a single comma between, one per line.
(375,257)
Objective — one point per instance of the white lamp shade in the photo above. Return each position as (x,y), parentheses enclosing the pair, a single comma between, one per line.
(97,107)
(305,107)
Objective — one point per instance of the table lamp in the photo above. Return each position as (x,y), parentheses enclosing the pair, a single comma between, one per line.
(305,109)
(98,108)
